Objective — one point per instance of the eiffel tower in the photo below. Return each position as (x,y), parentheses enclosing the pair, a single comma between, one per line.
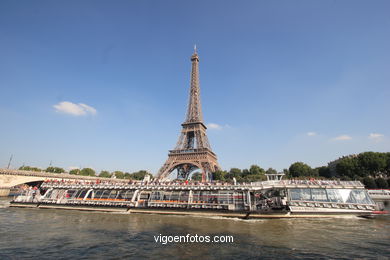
(193,149)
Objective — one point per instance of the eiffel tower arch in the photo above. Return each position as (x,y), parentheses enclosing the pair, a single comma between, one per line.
(193,150)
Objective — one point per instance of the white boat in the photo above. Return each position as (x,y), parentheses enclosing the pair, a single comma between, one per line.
(379,194)
(268,199)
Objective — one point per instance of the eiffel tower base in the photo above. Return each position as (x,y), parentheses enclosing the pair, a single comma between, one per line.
(186,163)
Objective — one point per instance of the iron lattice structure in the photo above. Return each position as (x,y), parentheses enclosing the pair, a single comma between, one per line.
(193,149)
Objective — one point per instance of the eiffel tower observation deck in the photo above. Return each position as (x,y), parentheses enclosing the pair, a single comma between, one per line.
(193,150)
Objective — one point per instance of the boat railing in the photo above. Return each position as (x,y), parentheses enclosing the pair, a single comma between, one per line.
(28,196)
(328,204)
(379,192)
(203,186)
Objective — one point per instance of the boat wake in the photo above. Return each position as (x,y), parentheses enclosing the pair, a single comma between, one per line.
(4,204)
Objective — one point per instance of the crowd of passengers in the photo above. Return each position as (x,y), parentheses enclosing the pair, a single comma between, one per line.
(132,182)
(32,191)
(187,182)
(312,182)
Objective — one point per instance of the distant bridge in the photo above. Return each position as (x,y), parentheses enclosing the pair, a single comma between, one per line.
(11,178)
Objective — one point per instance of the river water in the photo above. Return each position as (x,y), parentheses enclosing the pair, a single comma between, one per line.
(66,234)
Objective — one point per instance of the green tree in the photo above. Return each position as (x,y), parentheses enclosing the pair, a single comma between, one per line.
(388,165)
(119,174)
(363,165)
(256,173)
(197,176)
(349,167)
(219,175)
(128,176)
(369,183)
(271,171)
(55,169)
(299,169)
(29,168)
(254,178)
(140,175)
(256,170)
(105,174)
(245,172)
(235,172)
(74,171)
(324,171)
(381,183)
(372,163)
(87,172)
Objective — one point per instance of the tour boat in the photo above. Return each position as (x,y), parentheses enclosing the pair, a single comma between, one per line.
(268,199)
(379,194)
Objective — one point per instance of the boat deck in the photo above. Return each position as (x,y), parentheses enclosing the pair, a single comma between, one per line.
(206,186)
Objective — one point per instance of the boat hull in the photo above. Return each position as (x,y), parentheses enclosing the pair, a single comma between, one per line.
(313,213)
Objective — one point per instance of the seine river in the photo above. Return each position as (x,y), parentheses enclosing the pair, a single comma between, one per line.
(63,234)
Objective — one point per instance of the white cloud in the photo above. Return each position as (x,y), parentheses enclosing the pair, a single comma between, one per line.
(311,133)
(375,136)
(214,126)
(342,138)
(79,109)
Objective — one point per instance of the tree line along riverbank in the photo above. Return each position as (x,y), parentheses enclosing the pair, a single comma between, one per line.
(371,168)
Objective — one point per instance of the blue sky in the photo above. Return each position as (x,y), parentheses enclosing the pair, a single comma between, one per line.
(281,81)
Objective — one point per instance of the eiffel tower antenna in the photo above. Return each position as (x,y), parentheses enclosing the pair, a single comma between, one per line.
(192,150)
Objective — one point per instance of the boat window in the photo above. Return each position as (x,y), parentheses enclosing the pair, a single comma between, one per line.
(113,194)
(300,194)
(82,194)
(144,195)
(70,193)
(48,193)
(105,194)
(184,196)
(208,197)
(175,195)
(239,199)
(60,194)
(156,195)
(334,195)
(318,195)
(89,196)
(54,194)
(166,195)
(77,193)
(274,193)
(195,195)
(346,195)
(120,194)
(361,196)
(128,195)
(295,194)
(98,194)
(331,195)
(204,196)
(350,198)
(225,197)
